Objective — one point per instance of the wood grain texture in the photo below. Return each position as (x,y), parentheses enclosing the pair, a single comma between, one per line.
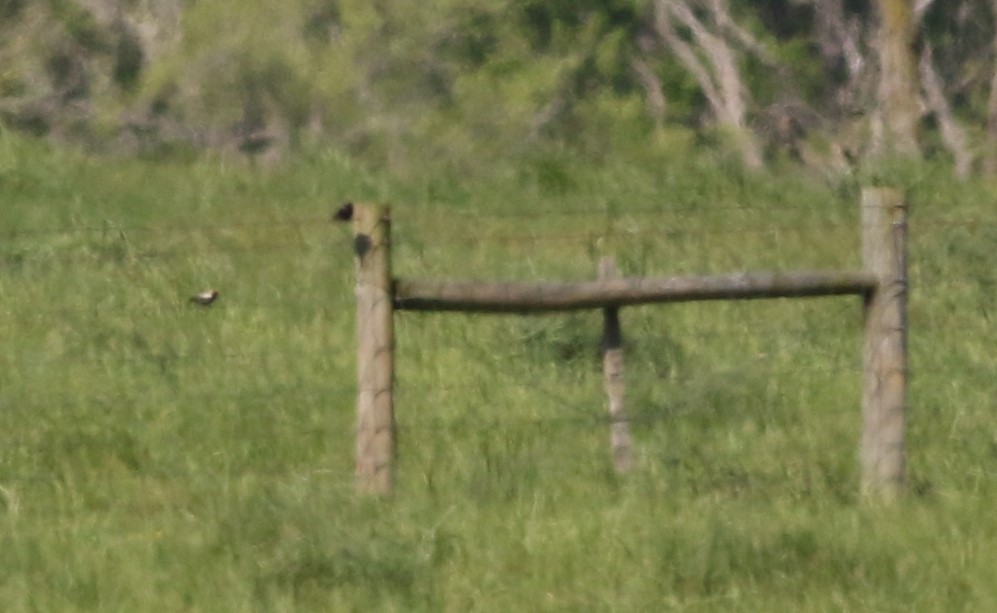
(375,450)
(513,297)
(612,375)
(884,391)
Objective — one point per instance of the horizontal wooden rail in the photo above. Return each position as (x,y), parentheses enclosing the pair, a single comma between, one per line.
(514,297)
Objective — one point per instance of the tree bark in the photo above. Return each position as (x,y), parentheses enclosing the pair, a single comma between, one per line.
(895,127)
(884,391)
(516,297)
(612,373)
(375,444)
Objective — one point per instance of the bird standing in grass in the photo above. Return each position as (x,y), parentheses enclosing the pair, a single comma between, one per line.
(205,298)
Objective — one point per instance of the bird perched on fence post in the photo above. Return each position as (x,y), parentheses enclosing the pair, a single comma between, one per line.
(205,298)
(345,213)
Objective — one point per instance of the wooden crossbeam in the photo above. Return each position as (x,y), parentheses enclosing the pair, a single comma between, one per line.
(515,297)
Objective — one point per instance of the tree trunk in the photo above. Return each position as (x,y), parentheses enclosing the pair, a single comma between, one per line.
(899,112)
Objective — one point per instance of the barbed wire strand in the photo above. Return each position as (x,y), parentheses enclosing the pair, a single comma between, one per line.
(341,477)
(420,216)
(126,254)
(635,337)
(594,235)
(131,399)
(176,306)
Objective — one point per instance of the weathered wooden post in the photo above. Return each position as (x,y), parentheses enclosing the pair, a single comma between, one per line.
(884,254)
(612,373)
(375,450)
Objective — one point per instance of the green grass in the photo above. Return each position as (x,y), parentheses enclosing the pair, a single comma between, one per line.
(155,456)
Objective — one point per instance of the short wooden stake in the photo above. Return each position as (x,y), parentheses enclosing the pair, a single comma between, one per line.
(612,373)
(375,451)
(884,391)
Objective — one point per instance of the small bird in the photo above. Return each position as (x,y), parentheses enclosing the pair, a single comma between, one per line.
(345,213)
(205,298)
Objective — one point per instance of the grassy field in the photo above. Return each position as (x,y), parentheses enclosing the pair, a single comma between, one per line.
(157,456)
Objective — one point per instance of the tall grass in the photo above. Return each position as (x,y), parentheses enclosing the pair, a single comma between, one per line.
(159,456)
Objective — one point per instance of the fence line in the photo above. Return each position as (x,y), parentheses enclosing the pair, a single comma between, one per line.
(220,357)
(594,234)
(766,358)
(328,477)
(72,398)
(111,226)
(612,228)
(130,255)
(611,234)
(582,417)
(179,305)
(407,239)
(321,473)
(882,282)
(311,221)
(167,306)
(447,215)
(510,239)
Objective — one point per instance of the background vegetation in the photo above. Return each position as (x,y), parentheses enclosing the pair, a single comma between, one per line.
(827,82)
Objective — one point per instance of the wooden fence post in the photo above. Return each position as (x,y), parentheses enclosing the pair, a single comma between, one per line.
(884,390)
(375,450)
(612,373)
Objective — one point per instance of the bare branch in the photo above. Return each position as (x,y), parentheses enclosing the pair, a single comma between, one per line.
(727,78)
(721,14)
(685,54)
(838,36)
(720,79)
(953,135)
(921,7)
(653,89)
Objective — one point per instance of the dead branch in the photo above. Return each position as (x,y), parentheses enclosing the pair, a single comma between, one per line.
(953,136)
(657,104)
(719,78)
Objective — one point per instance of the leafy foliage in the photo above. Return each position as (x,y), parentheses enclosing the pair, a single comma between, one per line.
(390,80)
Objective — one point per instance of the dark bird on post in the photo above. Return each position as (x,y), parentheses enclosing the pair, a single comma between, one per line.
(345,213)
(205,298)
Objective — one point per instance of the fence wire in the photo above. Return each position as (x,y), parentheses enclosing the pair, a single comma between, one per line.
(117,244)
